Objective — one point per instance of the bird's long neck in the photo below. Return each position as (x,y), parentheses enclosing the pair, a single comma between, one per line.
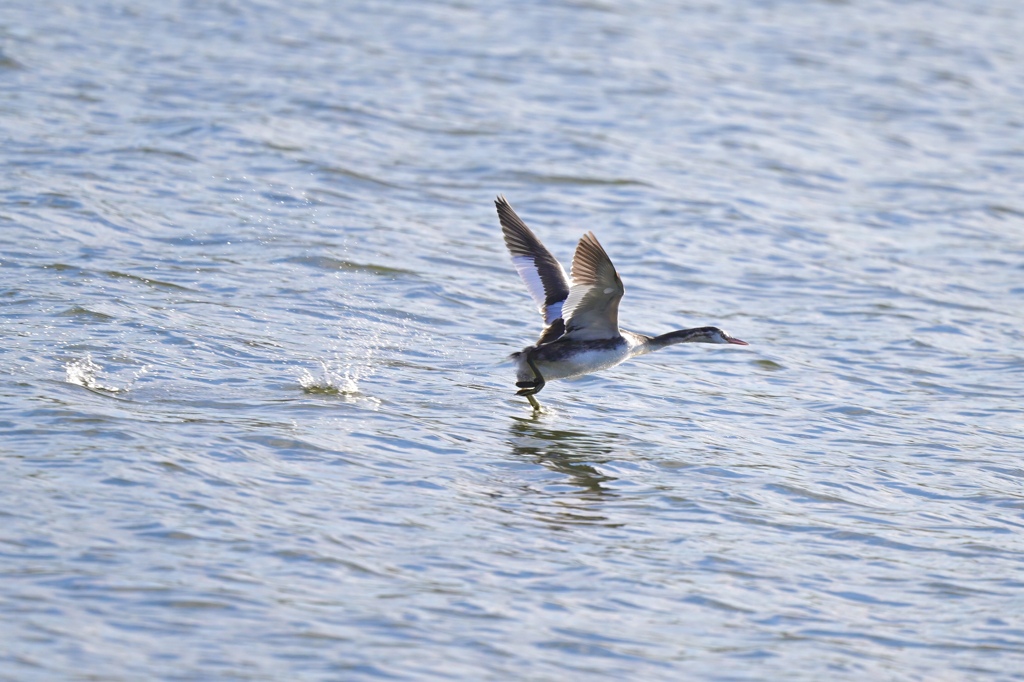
(695,335)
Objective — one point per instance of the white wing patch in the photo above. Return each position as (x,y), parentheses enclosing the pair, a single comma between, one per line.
(528,272)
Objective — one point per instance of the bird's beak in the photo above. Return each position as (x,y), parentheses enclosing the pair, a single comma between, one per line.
(737,341)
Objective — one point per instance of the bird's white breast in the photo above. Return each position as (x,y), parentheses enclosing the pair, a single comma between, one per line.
(584,362)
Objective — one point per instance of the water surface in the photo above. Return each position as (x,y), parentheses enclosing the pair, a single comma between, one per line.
(255,422)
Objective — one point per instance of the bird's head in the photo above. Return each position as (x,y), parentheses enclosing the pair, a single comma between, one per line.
(716,335)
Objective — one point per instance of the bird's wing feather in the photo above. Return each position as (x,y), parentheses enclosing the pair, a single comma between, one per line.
(591,311)
(544,276)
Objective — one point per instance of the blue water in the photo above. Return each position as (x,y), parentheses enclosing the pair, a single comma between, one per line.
(254,304)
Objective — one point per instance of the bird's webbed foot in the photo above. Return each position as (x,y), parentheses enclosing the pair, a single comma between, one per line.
(531,386)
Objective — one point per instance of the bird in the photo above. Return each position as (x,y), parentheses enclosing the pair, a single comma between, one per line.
(581,315)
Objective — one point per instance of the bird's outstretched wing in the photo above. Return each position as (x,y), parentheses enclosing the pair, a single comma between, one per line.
(543,274)
(591,311)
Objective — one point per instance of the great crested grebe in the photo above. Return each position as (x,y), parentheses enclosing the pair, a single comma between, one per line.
(582,332)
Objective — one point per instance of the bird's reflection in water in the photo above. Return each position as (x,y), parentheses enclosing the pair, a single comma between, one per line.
(573,455)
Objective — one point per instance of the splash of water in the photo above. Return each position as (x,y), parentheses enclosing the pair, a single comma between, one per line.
(333,379)
(84,371)
(352,362)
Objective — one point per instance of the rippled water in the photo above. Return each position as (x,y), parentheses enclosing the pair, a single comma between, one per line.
(255,422)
